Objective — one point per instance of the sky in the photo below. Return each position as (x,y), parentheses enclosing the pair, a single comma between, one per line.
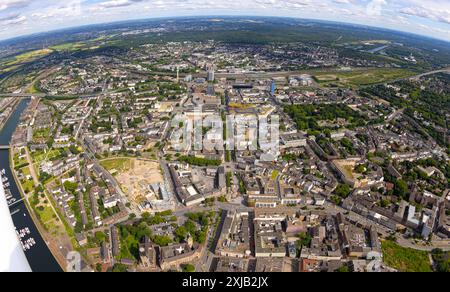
(426,17)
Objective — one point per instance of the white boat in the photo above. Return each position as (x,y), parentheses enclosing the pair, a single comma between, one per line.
(8,195)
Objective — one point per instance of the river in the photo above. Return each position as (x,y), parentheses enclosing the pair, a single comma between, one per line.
(39,256)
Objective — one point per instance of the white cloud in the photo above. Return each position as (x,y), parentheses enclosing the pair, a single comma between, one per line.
(375,7)
(343,1)
(12,20)
(118,3)
(9,4)
(42,15)
(441,15)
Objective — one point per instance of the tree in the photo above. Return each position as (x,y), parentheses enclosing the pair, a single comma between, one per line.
(384,203)
(343,191)
(43,177)
(360,168)
(223,199)
(162,240)
(337,200)
(181,233)
(401,188)
(70,186)
(442,260)
(188,268)
(100,237)
(242,188)
(143,230)
(199,161)
(190,227)
(200,236)
(146,216)
(304,239)
(229,179)
(74,149)
(119,268)
(343,269)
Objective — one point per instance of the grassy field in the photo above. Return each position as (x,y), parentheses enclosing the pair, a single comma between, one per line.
(33,54)
(69,47)
(12,64)
(405,259)
(41,156)
(117,164)
(6,68)
(34,89)
(361,77)
(26,171)
(46,214)
(41,133)
(27,185)
(18,162)
(77,46)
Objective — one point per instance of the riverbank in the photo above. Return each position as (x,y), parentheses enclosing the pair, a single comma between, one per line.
(44,233)
(38,254)
(55,251)
(13,109)
(36,250)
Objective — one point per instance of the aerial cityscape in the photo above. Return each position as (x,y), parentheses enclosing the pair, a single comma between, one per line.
(225,144)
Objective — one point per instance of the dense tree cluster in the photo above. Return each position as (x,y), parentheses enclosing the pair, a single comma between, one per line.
(199,161)
(307,117)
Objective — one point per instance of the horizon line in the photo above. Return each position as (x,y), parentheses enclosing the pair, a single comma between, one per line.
(61,30)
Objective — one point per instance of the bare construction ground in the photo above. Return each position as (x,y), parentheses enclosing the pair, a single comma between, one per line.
(135,176)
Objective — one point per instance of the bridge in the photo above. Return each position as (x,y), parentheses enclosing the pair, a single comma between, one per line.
(4,147)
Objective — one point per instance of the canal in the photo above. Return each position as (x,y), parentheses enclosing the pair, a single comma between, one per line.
(39,256)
